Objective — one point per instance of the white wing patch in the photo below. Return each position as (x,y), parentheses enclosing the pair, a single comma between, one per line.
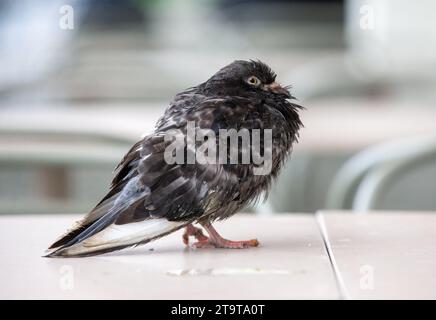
(123,235)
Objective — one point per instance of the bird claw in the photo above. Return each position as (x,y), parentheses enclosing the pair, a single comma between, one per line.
(215,240)
(203,244)
(190,230)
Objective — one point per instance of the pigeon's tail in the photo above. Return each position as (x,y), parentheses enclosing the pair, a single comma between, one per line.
(106,228)
(116,237)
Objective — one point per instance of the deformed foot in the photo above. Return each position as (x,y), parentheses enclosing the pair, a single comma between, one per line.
(190,230)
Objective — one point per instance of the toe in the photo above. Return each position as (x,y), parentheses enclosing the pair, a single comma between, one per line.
(253,243)
(203,244)
(238,244)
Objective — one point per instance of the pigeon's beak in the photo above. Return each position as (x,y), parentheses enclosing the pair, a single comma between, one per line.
(277,89)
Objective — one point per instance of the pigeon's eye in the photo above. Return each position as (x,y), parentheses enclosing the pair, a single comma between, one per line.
(254,81)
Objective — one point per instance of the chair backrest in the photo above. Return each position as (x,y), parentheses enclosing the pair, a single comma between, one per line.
(343,189)
(379,180)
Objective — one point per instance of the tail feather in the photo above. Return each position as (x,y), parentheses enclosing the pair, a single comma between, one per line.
(84,224)
(116,237)
(103,216)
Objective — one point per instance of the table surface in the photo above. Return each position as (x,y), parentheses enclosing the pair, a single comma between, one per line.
(291,263)
(330,255)
(383,255)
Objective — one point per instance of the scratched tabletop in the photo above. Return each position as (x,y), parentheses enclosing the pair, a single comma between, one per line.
(291,263)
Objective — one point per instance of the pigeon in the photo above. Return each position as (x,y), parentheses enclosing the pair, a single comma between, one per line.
(151,196)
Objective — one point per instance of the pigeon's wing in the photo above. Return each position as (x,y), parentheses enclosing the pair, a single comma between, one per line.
(228,185)
(186,191)
(148,199)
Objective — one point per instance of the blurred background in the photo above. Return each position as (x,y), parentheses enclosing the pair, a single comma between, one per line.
(82,80)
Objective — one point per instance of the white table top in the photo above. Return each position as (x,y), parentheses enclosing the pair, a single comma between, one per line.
(383,255)
(291,263)
(379,255)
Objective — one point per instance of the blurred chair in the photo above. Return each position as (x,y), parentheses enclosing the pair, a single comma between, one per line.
(378,181)
(53,155)
(361,179)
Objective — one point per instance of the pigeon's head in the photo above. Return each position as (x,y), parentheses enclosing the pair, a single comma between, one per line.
(246,77)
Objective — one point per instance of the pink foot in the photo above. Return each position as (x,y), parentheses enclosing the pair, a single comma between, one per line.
(216,241)
(190,230)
